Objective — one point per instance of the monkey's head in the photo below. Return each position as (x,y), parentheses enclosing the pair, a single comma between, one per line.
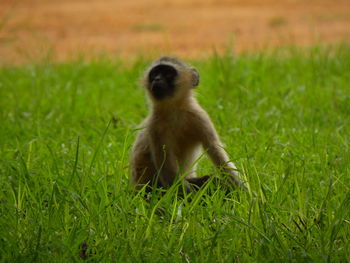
(170,78)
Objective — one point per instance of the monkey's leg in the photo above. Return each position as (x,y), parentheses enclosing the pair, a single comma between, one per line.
(164,162)
(198,182)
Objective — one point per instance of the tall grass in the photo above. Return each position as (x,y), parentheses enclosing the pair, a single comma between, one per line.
(65,137)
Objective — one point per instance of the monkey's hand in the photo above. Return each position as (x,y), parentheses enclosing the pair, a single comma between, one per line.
(234,179)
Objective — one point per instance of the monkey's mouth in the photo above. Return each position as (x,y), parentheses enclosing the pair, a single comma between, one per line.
(159,91)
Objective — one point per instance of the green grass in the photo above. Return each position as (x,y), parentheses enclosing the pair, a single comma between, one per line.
(67,129)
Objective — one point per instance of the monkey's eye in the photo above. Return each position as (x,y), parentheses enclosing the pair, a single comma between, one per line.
(152,77)
(164,71)
(168,75)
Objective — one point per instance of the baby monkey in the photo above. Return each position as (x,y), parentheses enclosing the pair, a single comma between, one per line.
(171,137)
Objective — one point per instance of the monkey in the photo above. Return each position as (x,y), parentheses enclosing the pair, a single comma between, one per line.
(170,139)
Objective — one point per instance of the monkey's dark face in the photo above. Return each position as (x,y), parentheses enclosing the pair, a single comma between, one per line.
(162,81)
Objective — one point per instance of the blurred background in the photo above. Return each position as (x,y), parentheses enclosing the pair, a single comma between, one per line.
(35,30)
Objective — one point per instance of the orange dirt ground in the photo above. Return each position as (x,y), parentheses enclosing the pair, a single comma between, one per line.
(37,30)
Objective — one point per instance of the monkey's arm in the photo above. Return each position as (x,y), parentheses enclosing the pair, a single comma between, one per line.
(212,145)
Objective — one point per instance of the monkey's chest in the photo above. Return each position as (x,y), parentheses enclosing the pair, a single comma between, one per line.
(178,132)
(181,139)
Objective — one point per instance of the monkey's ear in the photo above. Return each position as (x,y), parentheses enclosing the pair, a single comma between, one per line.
(195,77)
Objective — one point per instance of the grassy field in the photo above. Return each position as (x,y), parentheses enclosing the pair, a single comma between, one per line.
(67,129)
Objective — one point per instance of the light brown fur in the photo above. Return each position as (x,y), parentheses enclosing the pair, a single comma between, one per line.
(173,134)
